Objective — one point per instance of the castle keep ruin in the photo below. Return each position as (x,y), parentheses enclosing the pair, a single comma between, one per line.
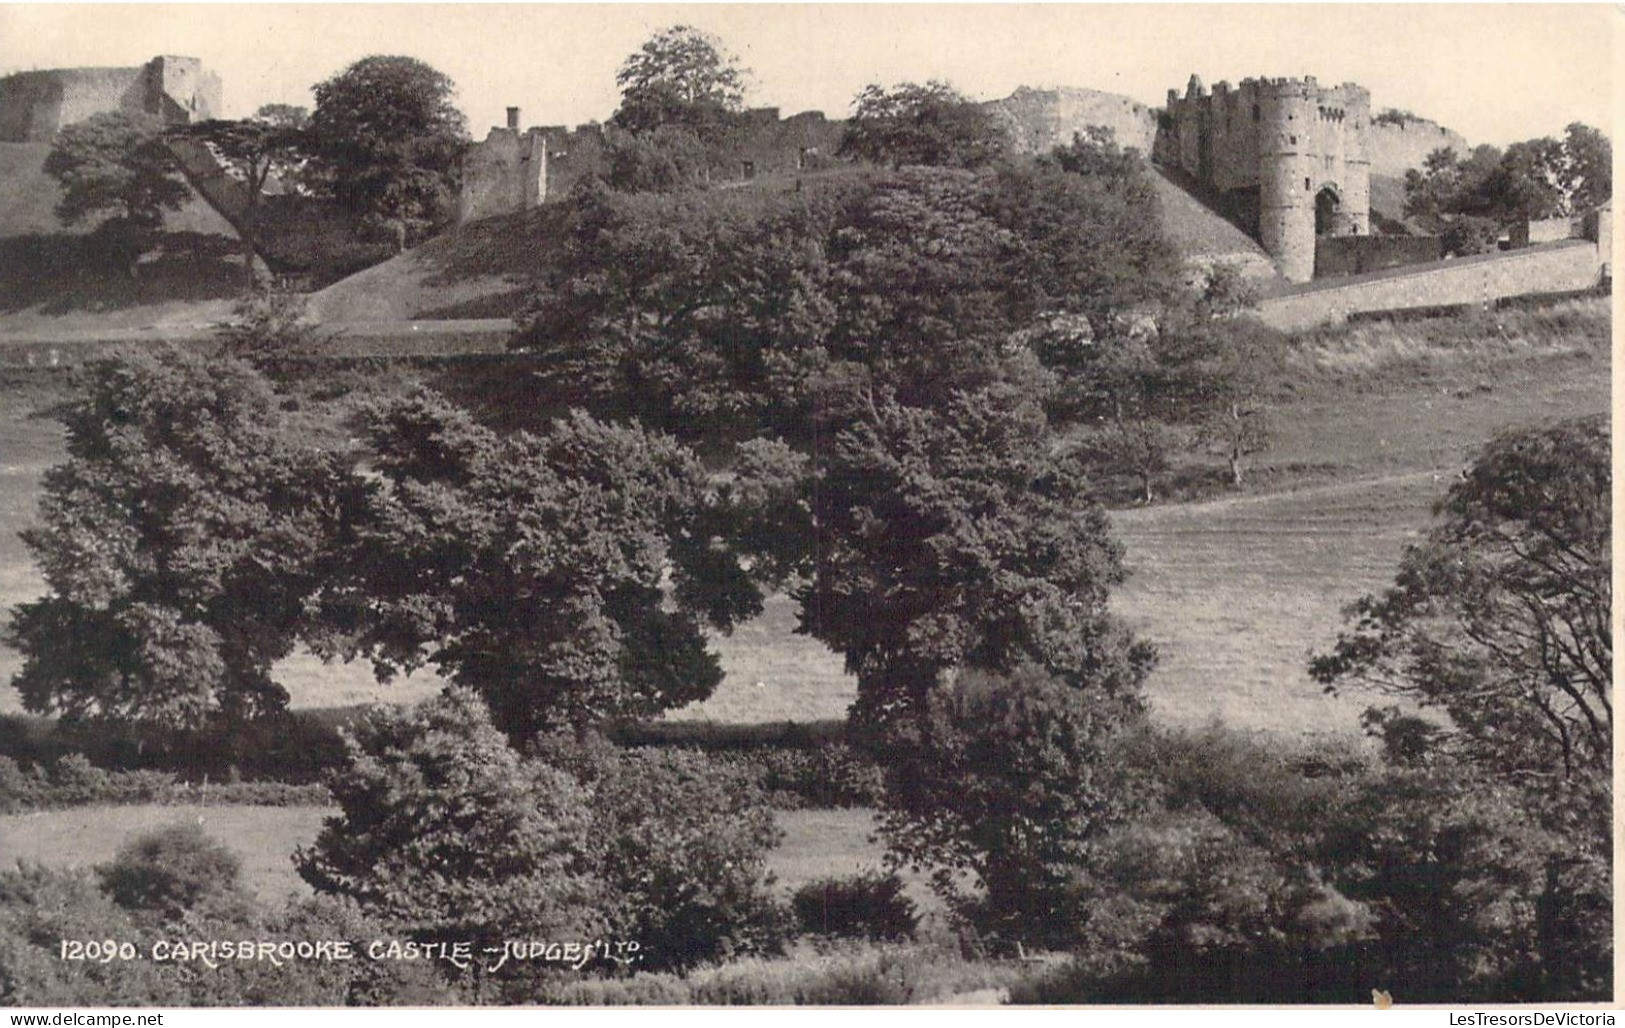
(1286,156)
(35,104)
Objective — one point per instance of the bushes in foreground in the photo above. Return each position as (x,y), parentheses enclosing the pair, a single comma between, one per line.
(39,907)
(867,905)
(446,833)
(862,974)
(73,781)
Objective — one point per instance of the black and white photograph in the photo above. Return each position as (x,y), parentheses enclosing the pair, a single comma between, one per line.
(844,505)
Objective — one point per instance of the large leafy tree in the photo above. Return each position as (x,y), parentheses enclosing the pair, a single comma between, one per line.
(388,141)
(720,314)
(1501,619)
(1535,178)
(179,541)
(680,77)
(115,167)
(931,124)
(273,144)
(952,537)
(534,569)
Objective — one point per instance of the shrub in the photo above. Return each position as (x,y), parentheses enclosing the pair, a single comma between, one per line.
(172,871)
(828,776)
(860,974)
(444,833)
(39,907)
(1008,777)
(868,905)
(685,843)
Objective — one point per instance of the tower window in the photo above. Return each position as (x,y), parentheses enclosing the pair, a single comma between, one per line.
(1255,112)
(1306,183)
(1294,140)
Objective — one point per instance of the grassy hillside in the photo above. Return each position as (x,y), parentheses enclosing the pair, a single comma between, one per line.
(28,196)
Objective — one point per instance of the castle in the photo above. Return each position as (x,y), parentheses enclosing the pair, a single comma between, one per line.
(515,170)
(34,104)
(1286,156)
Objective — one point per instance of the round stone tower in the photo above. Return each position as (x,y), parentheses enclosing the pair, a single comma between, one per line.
(1287,174)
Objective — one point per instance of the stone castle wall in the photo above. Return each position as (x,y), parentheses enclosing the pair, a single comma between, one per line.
(35,104)
(1396,148)
(1039,120)
(515,170)
(1288,154)
(1562,267)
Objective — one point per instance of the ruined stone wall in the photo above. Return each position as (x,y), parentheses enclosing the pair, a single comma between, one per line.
(1563,267)
(1396,148)
(507,172)
(182,90)
(1039,120)
(35,104)
(514,171)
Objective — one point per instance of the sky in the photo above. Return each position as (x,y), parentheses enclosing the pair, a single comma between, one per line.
(1494,72)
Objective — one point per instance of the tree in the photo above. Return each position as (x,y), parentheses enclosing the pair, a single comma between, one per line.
(952,538)
(535,570)
(683,77)
(1501,620)
(387,141)
(933,124)
(443,832)
(1007,779)
(1232,382)
(115,165)
(272,144)
(1587,175)
(179,541)
(1535,178)
(683,844)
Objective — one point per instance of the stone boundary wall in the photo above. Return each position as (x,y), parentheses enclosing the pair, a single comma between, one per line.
(1567,266)
(1356,255)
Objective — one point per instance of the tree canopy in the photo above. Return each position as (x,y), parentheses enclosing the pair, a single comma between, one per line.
(387,141)
(1532,179)
(931,124)
(1501,617)
(530,568)
(115,166)
(274,143)
(680,77)
(179,542)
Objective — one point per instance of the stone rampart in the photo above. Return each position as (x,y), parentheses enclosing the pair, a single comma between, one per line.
(1561,267)
(35,104)
(1396,147)
(1039,120)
